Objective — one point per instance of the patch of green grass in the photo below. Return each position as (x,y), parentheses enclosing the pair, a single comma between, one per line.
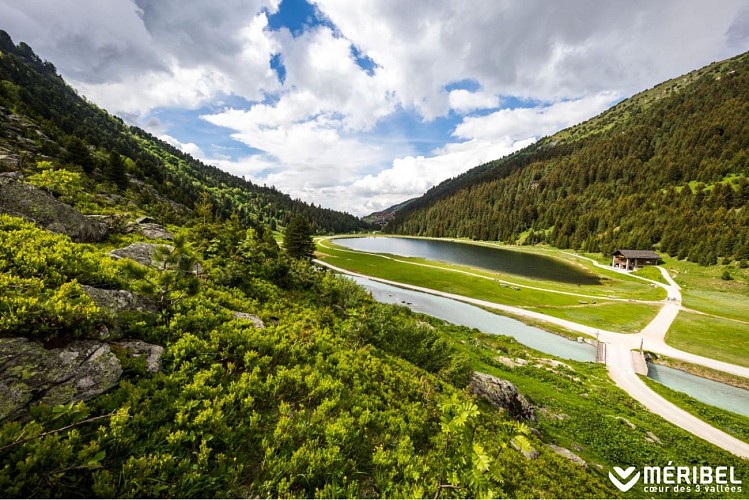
(703,289)
(651,273)
(732,423)
(712,337)
(615,316)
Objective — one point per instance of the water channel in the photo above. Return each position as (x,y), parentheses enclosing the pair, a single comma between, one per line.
(529,265)
(707,391)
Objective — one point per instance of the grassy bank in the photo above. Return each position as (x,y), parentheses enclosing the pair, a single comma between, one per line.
(712,337)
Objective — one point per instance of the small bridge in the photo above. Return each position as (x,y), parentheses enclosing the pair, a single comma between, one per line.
(601,352)
(639,362)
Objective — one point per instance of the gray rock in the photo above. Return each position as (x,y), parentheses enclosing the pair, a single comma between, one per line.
(502,394)
(564,452)
(138,348)
(116,302)
(31,203)
(653,438)
(10,162)
(145,220)
(142,253)
(29,373)
(154,231)
(249,317)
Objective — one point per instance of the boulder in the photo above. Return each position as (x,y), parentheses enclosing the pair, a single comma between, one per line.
(138,348)
(24,200)
(142,253)
(564,452)
(154,231)
(118,301)
(30,373)
(249,317)
(502,394)
(115,303)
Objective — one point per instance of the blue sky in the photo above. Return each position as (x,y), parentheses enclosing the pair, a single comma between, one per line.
(360,105)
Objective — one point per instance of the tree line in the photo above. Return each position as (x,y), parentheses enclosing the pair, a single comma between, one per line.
(667,173)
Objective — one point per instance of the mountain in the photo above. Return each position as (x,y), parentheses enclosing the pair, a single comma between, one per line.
(384,216)
(665,169)
(56,124)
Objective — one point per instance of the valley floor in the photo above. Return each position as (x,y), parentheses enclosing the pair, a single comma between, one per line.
(621,350)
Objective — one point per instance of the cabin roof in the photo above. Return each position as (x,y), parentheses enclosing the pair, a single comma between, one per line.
(637,254)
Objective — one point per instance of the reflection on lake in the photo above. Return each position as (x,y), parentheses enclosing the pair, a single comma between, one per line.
(529,265)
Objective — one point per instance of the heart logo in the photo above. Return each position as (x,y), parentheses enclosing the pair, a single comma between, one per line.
(624,474)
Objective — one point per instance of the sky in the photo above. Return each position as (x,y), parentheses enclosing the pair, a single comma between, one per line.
(359,105)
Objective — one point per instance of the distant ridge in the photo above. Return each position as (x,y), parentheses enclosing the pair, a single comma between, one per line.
(665,169)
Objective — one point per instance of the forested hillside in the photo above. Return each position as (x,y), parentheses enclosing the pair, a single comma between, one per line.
(666,169)
(64,127)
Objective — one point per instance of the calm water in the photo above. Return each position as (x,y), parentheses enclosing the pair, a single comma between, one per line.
(708,391)
(459,313)
(494,259)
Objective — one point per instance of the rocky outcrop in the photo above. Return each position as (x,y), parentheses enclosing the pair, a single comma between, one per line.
(118,301)
(115,303)
(24,200)
(249,317)
(153,231)
(502,394)
(142,253)
(30,373)
(138,348)
(564,452)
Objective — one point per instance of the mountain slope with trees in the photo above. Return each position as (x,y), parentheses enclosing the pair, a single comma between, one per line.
(666,169)
(67,128)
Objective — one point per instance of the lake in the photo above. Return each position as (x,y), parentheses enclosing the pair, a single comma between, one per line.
(528,265)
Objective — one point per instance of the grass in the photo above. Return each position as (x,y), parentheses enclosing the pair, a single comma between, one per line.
(729,422)
(651,273)
(704,290)
(616,316)
(579,408)
(712,337)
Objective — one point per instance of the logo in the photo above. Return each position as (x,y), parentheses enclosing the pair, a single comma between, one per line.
(672,479)
(624,474)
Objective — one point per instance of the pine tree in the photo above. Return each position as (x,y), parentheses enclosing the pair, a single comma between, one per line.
(115,171)
(298,239)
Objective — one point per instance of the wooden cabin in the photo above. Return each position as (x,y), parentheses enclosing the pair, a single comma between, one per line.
(633,259)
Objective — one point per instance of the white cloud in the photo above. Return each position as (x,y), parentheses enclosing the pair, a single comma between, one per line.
(463,101)
(533,122)
(316,131)
(190,147)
